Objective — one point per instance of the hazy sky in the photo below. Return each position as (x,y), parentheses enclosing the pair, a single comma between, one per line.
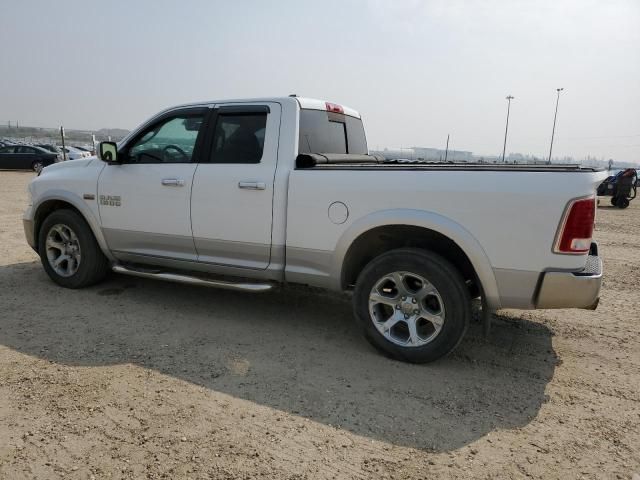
(415,69)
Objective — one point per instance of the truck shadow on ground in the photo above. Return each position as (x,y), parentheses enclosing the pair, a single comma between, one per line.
(295,350)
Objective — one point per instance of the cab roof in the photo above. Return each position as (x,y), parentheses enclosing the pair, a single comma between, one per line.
(303,102)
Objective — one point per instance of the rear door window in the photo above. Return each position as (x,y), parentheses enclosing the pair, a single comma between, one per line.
(329,132)
(239,138)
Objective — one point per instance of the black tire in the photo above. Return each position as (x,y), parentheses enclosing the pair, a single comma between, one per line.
(614,201)
(447,281)
(37,166)
(93,266)
(623,202)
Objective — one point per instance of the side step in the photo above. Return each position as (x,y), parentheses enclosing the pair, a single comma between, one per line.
(205,282)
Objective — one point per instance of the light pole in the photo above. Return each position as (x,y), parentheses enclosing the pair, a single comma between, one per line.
(553,131)
(446,151)
(506,128)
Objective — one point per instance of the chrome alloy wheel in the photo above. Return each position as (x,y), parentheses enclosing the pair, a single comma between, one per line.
(406,309)
(63,250)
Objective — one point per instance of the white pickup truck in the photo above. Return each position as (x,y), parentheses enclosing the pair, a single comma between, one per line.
(248,194)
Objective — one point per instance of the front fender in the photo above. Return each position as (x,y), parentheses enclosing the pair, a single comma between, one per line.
(78,203)
(429,220)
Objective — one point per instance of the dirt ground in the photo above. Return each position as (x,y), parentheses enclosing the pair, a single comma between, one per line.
(145,379)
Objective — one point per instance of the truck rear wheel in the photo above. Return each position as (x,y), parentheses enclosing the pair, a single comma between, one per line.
(69,252)
(412,305)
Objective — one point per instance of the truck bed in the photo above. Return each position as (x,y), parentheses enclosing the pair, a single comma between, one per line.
(328,161)
(510,212)
(455,167)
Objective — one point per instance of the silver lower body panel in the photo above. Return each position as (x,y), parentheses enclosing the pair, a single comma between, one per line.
(552,289)
(28,232)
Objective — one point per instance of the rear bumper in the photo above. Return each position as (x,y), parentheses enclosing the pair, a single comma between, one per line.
(572,289)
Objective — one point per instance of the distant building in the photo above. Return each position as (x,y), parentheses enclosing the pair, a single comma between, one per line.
(429,154)
(395,153)
(437,154)
(424,153)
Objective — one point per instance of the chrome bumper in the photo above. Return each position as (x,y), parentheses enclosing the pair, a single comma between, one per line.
(572,289)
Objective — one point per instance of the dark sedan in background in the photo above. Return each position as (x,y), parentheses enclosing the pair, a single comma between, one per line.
(25,157)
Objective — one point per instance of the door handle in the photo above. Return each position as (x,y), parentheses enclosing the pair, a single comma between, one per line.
(173,182)
(252,185)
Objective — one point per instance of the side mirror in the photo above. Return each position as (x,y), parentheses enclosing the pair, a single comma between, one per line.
(108,152)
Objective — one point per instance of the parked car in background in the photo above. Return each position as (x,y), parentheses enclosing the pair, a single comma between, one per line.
(26,157)
(75,154)
(53,149)
(86,148)
(49,147)
(83,148)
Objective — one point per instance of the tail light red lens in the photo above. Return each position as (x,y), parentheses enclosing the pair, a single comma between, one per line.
(333,107)
(577,227)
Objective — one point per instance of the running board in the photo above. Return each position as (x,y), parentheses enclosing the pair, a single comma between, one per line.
(204,282)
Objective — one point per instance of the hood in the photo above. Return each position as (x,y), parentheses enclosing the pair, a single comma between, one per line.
(79,163)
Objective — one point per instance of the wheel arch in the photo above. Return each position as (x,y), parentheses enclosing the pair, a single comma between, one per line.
(66,200)
(382,231)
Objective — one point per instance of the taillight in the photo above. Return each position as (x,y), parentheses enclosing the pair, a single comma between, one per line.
(334,107)
(576,229)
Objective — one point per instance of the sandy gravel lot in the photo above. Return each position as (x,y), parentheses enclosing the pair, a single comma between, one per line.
(144,379)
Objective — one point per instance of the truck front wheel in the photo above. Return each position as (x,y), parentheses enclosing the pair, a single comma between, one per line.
(69,252)
(412,305)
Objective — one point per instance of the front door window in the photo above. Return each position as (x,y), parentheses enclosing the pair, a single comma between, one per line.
(170,141)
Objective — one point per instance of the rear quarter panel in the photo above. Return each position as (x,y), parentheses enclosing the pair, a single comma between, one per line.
(513,216)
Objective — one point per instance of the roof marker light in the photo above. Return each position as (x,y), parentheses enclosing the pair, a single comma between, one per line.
(334,107)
